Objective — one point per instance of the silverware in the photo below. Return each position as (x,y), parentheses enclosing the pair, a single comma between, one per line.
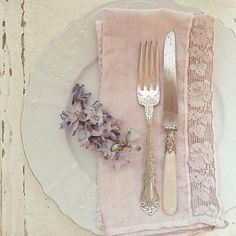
(148,94)
(170,110)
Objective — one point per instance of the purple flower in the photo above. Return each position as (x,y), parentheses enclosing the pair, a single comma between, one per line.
(83,138)
(96,129)
(94,114)
(96,141)
(131,135)
(106,116)
(109,130)
(72,118)
(105,148)
(80,94)
(97,105)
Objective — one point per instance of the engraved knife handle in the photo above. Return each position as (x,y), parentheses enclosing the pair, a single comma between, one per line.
(170,182)
(149,196)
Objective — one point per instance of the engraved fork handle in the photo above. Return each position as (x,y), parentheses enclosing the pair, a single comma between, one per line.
(149,195)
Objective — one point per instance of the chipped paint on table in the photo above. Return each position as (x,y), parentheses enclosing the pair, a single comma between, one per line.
(26,28)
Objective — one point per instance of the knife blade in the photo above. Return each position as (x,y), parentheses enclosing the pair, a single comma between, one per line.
(170,114)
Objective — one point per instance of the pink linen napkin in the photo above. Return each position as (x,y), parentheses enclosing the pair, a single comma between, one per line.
(119,35)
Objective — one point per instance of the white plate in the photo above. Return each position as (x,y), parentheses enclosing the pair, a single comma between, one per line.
(66,171)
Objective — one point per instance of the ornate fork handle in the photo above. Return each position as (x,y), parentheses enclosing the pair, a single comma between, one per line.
(148,94)
(149,196)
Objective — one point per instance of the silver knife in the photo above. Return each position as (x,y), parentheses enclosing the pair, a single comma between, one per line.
(170,114)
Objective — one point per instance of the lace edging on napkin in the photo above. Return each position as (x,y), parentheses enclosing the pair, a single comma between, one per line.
(201,161)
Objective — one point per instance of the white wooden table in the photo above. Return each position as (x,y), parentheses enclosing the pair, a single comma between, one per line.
(27,26)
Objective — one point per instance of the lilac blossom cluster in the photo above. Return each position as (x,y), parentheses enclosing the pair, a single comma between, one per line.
(95,128)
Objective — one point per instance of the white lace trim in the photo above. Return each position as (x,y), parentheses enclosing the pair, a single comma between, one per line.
(201,164)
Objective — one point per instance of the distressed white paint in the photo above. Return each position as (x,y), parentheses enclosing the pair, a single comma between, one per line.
(29,26)
(12,78)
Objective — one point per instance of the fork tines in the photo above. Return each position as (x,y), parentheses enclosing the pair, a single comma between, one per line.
(148,76)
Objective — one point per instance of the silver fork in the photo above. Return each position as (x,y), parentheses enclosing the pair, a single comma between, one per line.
(148,94)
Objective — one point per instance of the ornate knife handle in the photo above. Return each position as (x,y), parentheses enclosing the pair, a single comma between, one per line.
(149,196)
